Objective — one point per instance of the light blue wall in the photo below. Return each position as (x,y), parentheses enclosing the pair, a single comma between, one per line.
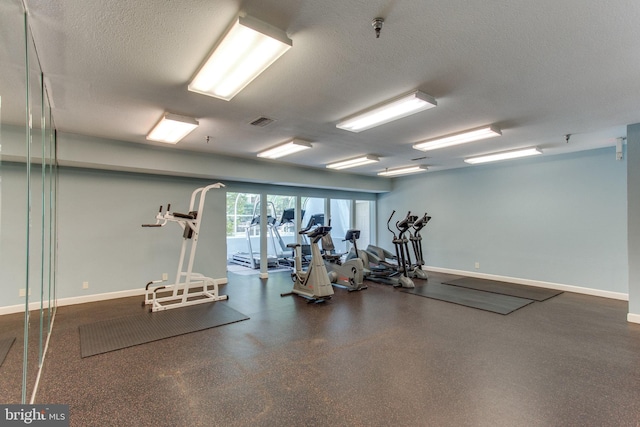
(13,219)
(13,232)
(558,219)
(633,195)
(101,240)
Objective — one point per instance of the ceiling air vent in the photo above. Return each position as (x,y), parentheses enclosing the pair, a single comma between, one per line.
(420,158)
(261,122)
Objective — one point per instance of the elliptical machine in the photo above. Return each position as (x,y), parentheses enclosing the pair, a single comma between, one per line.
(313,284)
(416,242)
(392,273)
(404,227)
(348,273)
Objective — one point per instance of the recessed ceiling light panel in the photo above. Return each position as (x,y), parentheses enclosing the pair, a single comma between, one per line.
(504,155)
(352,163)
(403,171)
(281,150)
(463,137)
(391,110)
(247,49)
(172,128)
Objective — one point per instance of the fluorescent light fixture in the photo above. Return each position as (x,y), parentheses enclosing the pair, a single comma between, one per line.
(351,163)
(505,155)
(476,134)
(285,149)
(388,111)
(402,171)
(248,48)
(172,128)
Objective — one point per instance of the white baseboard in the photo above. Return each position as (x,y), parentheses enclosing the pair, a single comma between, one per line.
(529,282)
(633,318)
(85,299)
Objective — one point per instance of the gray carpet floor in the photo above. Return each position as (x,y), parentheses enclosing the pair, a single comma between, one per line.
(5,346)
(376,358)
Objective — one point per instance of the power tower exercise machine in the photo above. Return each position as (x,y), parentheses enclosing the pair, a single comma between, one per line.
(348,273)
(313,284)
(189,288)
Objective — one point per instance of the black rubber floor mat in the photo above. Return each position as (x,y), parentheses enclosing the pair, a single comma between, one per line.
(5,346)
(496,303)
(116,334)
(504,288)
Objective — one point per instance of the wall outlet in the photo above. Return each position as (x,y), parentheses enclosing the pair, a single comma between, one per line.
(165,276)
(22,292)
(85,285)
(477,264)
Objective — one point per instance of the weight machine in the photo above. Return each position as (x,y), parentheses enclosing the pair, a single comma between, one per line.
(189,288)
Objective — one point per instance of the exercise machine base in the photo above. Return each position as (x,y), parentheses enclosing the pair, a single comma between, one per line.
(310,299)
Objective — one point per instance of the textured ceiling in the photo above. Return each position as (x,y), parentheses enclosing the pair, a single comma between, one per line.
(537,69)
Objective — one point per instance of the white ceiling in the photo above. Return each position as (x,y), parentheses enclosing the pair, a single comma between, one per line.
(537,69)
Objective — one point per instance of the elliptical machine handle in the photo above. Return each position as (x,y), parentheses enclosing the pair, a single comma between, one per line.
(388,221)
(403,224)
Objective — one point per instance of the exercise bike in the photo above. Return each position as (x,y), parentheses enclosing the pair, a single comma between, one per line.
(352,236)
(348,273)
(313,284)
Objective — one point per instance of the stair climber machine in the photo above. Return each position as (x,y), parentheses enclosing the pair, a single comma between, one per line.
(189,288)
(314,283)
(416,242)
(348,273)
(389,268)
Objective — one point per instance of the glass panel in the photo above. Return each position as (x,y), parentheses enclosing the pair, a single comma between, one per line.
(243,229)
(364,222)
(13,218)
(313,208)
(283,230)
(340,222)
(27,207)
(49,190)
(35,231)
